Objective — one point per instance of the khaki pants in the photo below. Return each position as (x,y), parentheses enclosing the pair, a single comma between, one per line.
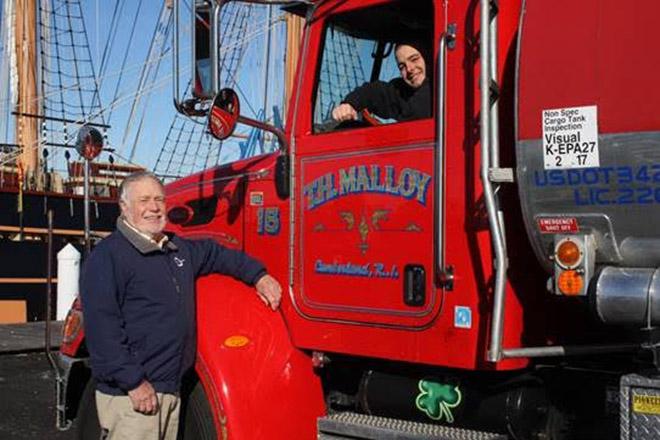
(121,421)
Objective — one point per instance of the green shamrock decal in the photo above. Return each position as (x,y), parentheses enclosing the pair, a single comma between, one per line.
(437,400)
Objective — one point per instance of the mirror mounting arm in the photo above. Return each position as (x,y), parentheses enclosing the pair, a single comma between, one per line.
(190,107)
(284,145)
(225,112)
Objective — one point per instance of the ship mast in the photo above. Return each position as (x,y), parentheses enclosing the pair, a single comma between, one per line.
(28,99)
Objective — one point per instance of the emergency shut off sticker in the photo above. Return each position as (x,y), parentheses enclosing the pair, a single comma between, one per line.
(554,225)
(570,137)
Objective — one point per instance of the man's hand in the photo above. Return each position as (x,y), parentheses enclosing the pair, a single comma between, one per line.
(344,112)
(270,291)
(144,398)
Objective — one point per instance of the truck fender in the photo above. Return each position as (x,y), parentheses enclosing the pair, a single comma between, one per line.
(257,383)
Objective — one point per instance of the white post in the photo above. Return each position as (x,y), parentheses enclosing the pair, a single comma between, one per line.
(68,271)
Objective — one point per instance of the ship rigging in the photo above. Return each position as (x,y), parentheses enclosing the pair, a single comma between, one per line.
(52,83)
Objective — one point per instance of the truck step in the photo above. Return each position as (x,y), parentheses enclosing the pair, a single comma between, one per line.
(354,426)
(501,175)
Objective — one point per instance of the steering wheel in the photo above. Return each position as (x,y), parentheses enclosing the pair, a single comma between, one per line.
(369,118)
(366,119)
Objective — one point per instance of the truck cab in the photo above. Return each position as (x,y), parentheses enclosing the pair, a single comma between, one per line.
(453,275)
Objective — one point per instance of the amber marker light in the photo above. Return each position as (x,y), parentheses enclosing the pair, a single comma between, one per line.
(568,254)
(236,341)
(570,282)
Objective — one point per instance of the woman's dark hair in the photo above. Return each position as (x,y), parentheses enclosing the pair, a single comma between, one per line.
(422,47)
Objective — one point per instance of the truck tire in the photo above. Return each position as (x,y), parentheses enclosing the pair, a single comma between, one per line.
(88,421)
(197,417)
(557,426)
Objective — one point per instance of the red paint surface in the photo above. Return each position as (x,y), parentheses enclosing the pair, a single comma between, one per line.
(254,388)
(566,60)
(591,52)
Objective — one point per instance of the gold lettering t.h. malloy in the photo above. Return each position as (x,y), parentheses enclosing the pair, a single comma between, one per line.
(408,183)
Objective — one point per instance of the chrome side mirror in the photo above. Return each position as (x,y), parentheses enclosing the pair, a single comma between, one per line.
(224,114)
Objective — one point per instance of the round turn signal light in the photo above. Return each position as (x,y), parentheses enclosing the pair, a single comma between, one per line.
(570,282)
(568,254)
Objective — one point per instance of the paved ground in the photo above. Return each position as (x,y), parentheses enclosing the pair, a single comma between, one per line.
(27,398)
(27,384)
(19,338)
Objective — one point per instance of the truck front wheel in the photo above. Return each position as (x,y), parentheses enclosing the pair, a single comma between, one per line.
(196,416)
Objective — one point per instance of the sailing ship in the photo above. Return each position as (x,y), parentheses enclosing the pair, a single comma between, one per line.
(43,110)
(51,86)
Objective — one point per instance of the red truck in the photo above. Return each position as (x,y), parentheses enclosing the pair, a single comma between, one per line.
(489,272)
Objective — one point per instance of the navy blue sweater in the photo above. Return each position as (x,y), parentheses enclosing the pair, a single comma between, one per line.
(139,306)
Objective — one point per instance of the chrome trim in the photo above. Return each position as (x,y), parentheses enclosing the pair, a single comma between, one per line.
(175,55)
(567,350)
(64,366)
(215,49)
(494,126)
(494,215)
(302,60)
(628,296)
(654,290)
(60,381)
(86,189)
(439,220)
(641,251)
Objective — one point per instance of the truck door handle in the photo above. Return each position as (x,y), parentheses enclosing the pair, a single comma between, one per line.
(414,285)
(447,41)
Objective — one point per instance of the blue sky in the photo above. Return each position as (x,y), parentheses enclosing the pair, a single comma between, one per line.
(160,111)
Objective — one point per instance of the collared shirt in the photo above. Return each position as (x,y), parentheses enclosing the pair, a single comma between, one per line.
(160,242)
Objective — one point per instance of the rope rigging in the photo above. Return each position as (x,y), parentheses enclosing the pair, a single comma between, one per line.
(126,53)
(157,48)
(187,148)
(69,86)
(110,41)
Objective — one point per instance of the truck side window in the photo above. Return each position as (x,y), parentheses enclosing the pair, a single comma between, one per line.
(375,67)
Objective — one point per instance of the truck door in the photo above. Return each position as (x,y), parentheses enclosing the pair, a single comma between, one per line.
(364,199)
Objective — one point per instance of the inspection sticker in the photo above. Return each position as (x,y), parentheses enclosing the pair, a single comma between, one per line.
(570,138)
(646,404)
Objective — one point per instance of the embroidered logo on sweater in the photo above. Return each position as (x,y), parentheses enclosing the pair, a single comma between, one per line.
(179,261)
